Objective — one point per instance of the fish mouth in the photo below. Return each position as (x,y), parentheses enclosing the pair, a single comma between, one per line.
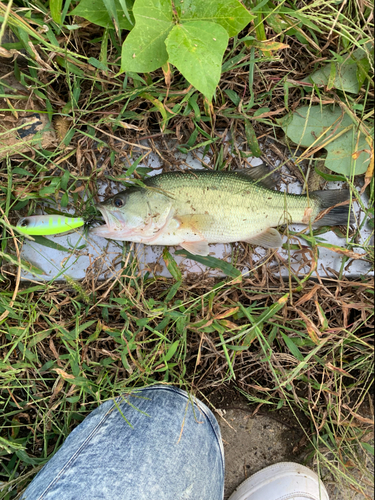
(115,225)
(105,214)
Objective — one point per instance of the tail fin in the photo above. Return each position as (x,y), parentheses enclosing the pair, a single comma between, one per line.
(331,215)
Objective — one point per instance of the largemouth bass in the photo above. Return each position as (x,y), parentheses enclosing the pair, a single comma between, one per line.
(198,207)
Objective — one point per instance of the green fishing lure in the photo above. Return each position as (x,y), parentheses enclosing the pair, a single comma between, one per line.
(44,225)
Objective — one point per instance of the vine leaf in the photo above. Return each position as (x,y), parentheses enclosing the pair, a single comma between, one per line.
(348,75)
(230,14)
(197,49)
(144,48)
(347,152)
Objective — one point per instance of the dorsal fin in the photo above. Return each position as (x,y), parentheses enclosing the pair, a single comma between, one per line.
(261,174)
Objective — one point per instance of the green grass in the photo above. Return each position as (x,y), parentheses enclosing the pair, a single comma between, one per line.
(65,348)
(63,357)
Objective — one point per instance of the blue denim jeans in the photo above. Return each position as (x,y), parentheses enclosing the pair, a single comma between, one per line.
(161,445)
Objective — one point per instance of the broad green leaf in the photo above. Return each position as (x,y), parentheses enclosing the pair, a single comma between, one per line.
(21,171)
(55,7)
(96,12)
(308,124)
(31,267)
(144,48)
(197,49)
(230,14)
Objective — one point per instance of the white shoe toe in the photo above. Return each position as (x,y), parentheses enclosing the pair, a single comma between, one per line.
(282,481)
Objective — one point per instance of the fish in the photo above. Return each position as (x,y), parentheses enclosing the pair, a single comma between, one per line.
(44,225)
(195,208)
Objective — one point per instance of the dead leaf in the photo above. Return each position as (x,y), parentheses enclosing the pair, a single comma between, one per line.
(342,251)
(227,313)
(307,296)
(167,74)
(312,330)
(370,169)
(7,53)
(129,126)
(333,368)
(58,388)
(228,324)
(63,374)
(307,215)
(267,45)
(359,417)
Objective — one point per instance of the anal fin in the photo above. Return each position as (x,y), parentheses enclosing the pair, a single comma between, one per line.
(196,247)
(270,238)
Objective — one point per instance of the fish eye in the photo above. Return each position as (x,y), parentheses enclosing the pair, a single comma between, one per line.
(118,202)
(25,223)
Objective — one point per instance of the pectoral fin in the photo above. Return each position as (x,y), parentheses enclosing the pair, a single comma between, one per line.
(270,238)
(196,247)
(191,230)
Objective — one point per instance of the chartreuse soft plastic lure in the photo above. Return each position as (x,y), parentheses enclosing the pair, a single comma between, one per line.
(44,225)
